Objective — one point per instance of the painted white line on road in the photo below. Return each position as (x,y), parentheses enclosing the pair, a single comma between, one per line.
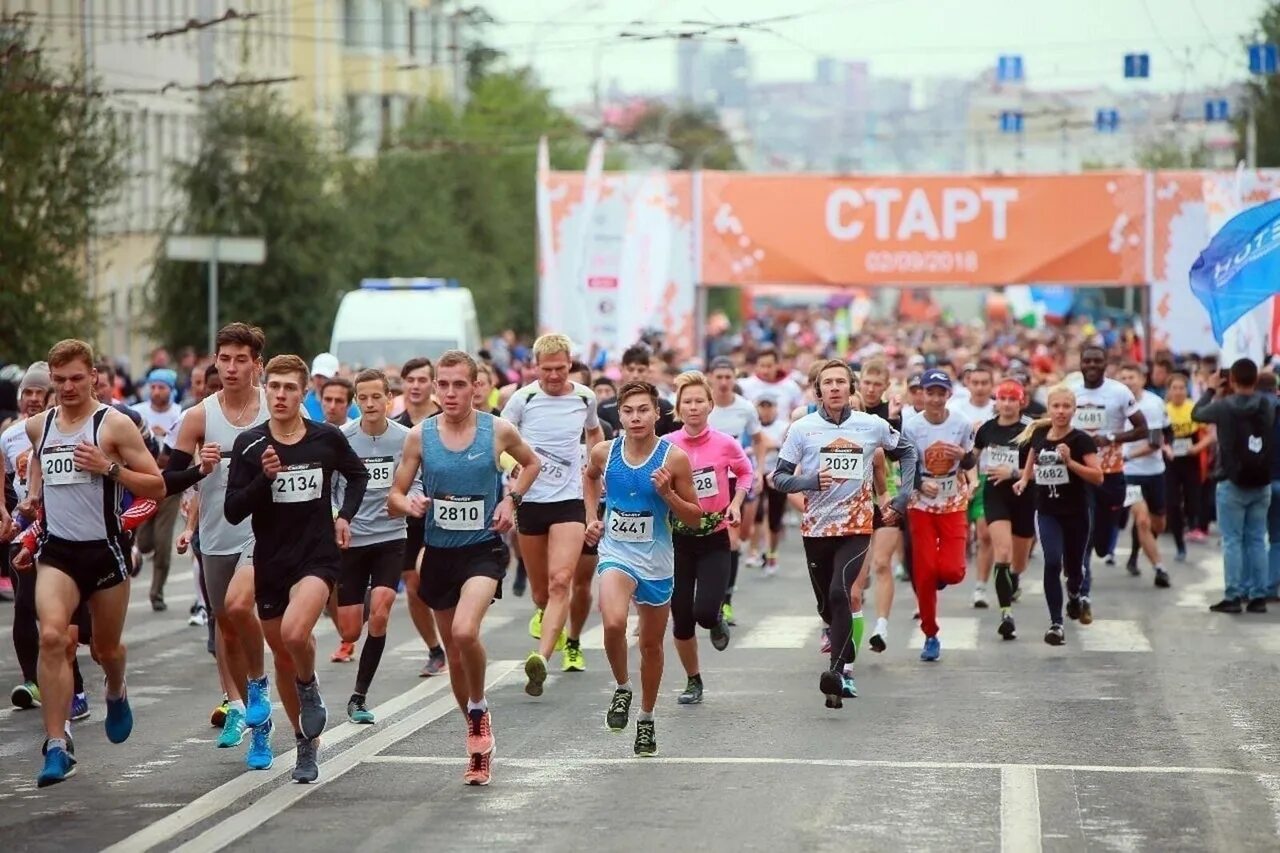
(1019,810)
(782,632)
(1114,635)
(594,638)
(208,805)
(491,623)
(245,821)
(1031,587)
(1203,591)
(817,762)
(957,633)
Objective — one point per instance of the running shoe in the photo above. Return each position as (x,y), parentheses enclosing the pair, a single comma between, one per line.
(1007,629)
(692,694)
(345,653)
(219,716)
(59,765)
(535,624)
(79,708)
(437,664)
(619,710)
(726,613)
(824,648)
(479,732)
(119,722)
(306,769)
(259,756)
(831,684)
(932,649)
(1181,555)
(720,636)
(980,598)
(479,770)
(899,572)
(1086,612)
(199,616)
(1132,567)
(1054,636)
(1197,536)
(1073,607)
(232,730)
(312,714)
(753,560)
(535,667)
(848,687)
(646,739)
(770,565)
(1111,559)
(25,696)
(562,641)
(358,713)
(877,642)
(574,659)
(1162,579)
(258,705)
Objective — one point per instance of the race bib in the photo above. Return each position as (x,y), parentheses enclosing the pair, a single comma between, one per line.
(1182,446)
(999,457)
(1051,475)
(381,469)
(630,526)
(705,483)
(1090,420)
(1132,495)
(844,463)
(58,467)
(458,512)
(554,468)
(948,488)
(298,484)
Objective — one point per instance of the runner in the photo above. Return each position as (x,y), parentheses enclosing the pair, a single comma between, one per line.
(886,539)
(417,375)
(1063,462)
(944,441)
(831,447)
(977,409)
(161,414)
(1011,518)
(646,479)
(464,561)
(1144,475)
(85,454)
(702,558)
(1103,408)
(281,477)
(635,368)
(337,397)
(1190,441)
(371,564)
(552,415)
(772,506)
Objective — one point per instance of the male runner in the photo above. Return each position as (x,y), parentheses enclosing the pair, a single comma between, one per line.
(645,480)
(336,399)
(887,539)
(1144,475)
(552,415)
(463,561)
(635,368)
(977,409)
(281,477)
(161,413)
(85,454)
(373,561)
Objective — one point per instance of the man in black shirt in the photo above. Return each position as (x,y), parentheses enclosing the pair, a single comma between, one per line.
(281,475)
(635,368)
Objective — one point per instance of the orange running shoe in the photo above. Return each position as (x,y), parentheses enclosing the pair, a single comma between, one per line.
(345,654)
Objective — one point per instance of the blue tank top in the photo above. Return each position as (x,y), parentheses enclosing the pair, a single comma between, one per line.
(464,486)
(637,521)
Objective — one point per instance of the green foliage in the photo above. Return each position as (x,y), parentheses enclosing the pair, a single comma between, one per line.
(61,157)
(1263,99)
(694,136)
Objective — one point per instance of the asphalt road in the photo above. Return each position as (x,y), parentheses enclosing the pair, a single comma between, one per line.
(1153,729)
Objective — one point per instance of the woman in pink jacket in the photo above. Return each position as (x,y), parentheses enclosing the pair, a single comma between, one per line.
(702,555)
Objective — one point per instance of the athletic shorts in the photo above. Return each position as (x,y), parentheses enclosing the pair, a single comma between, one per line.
(1003,505)
(772,505)
(537,519)
(977,511)
(877,519)
(271,588)
(218,570)
(369,566)
(1153,490)
(445,570)
(1110,495)
(417,530)
(94,566)
(650,592)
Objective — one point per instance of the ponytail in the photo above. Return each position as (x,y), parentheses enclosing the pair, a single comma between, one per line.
(1059,390)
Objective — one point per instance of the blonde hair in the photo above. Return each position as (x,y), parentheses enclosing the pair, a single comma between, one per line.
(875,367)
(69,350)
(691,379)
(1059,390)
(552,345)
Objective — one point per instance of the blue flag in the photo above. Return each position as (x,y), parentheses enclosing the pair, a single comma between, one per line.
(1240,267)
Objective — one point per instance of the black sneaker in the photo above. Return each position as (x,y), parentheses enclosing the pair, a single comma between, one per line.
(1086,612)
(832,686)
(1162,579)
(877,643)
(692,694)
(305,769)
(1007,629)
(720,636)
(619,710)
(1132,566)
(646,739)
(1257,605)
(1073,608)
(1227,605)
(1055,636)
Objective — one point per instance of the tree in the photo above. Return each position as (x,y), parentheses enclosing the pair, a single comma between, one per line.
(260,171)
(61,158)
(695,137)
(1262,99)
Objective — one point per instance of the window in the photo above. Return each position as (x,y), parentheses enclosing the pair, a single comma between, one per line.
(435,23)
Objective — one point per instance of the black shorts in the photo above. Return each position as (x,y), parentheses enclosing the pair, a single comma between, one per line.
(772,505)
(1153,490)
(369,566)
(445,570)
(1001,504)
(417,529)
(94,566)
(537,519)
(877,519)
(1110,495)
(271,586)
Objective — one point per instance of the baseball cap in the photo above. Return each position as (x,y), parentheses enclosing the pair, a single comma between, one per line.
(935,379)
(913,381)
(722,362)
(325,364)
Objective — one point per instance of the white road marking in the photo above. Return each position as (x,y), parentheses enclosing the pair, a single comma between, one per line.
(179,598)
(1206,588)
(1019,810)
(1031,587)
(1114,635)
(594,638)
(957,633)
(245,821)
(209,804)
(782,632)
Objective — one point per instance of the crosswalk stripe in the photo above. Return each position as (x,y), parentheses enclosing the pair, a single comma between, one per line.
(957,633)
(1114,635)
(782,632)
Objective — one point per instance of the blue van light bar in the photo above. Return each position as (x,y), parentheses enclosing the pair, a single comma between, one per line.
(407,283)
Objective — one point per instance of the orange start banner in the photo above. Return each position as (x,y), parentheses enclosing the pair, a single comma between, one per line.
(944,230)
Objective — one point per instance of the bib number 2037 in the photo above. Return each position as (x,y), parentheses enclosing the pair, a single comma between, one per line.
(844,463)
(631,526)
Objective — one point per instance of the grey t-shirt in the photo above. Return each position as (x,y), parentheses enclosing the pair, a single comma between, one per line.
(381,457)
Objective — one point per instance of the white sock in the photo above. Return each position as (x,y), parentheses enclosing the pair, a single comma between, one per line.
(481,706)
(645,716)
(236,705)
(882,627)
(626,687)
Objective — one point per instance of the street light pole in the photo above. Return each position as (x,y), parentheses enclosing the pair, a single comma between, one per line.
(213,296)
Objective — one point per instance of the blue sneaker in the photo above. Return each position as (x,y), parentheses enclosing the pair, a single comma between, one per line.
(848,689)
(79,708)
(232,730)
(119,724)
(932,649)
(257,708)
(59,765)
(260,757)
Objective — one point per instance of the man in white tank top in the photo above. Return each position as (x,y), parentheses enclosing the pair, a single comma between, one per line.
(85,454)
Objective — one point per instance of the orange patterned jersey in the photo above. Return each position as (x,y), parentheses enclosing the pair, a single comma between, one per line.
(936,466)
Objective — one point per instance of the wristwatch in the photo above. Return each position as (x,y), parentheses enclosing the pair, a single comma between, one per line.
(516,499)
(113,471)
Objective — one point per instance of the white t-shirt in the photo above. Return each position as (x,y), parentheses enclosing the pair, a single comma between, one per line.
(787,392)
(166,419)
(553,427)
(16,448)
(924,434)
(738,419)
(1157,418)
(1102,410)
(976,415)
(775,432)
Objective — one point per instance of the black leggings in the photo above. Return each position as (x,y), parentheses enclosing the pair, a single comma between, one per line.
(702,578)
(1183,482)
(772,504)
(1064,539)
(834,564)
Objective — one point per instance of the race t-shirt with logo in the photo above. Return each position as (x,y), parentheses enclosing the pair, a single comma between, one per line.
(381,456)
(1152,463)
(1101,411)
(16,449)
(1184,429)
(1058,490)
(935,466)
(552,425)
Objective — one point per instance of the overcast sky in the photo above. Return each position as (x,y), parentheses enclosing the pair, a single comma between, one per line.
(1191,42)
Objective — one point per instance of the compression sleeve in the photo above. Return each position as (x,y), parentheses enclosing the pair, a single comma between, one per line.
(180,475)
(785,479)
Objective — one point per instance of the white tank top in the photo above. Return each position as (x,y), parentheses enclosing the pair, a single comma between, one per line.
(78,506)
(217,535)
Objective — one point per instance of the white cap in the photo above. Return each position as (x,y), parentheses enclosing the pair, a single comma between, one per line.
(325,364)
